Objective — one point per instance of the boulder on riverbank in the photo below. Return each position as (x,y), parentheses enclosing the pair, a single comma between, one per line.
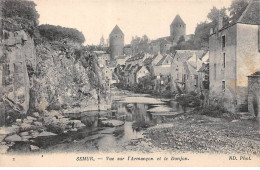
(13,138)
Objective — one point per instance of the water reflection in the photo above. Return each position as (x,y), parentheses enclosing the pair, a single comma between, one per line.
(142,111)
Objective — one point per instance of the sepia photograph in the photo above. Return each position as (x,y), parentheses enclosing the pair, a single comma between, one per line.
(129,83)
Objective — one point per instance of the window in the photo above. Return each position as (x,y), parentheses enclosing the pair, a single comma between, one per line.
(224,60)
(223,41)
(223,85)
(215,71)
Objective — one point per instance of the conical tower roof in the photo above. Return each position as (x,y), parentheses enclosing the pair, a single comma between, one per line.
(116,30)
(178,20)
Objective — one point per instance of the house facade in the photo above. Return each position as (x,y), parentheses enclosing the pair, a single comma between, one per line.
(161,74)
(184,70)
(234,54)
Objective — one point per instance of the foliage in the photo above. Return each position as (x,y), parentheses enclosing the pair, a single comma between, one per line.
(139,125)
(236,9)
(181,39)
(191,100)
(202,33)
(20,9)
(140,44)
(213,111)
(215,13)
(202,30)
(186,45)
(57,33)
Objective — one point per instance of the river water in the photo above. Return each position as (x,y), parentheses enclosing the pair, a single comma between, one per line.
(131,108)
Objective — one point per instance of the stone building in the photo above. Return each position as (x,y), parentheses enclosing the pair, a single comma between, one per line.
(103,58)
(234,54)
(177,30)
(116,42)
(254,94)
(184,70)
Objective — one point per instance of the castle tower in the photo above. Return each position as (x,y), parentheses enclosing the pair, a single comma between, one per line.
(116,42)
(177,28)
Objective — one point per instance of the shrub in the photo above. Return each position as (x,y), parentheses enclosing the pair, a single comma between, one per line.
(20,8)
(213,111)
(188,100)
(139,125)
(57,33)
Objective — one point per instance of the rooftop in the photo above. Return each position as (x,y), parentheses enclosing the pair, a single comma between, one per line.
(178,20)
(187,54)
(251,15)
(116,30)
(165,60)
(136,57)
(256,74)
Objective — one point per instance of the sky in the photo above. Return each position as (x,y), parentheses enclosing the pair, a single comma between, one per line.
(95,18)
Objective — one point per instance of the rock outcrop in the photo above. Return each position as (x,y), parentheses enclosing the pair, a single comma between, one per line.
(48,76)
(17,55)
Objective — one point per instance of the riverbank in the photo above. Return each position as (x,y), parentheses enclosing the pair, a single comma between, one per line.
(203,134)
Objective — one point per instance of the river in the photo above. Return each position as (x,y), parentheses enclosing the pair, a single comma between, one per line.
(142,110)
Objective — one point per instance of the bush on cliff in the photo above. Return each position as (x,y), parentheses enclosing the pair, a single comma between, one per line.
(57,33)
(20,9)
(19,15)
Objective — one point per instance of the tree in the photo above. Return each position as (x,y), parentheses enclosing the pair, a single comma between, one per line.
(236,9)
(202,33)
(57,33)
(140,44)
(181,39)
(215,13)
(20,8)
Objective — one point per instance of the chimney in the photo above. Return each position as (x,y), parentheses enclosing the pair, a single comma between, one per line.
(220,22)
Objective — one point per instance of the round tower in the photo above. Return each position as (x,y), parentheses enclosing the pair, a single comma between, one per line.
(177,28)
(116,42)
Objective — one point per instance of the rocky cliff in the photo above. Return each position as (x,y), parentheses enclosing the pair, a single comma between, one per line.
(39,76)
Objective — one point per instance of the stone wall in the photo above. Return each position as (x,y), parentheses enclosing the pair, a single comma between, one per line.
(218,73)
(247,59)
(254,95)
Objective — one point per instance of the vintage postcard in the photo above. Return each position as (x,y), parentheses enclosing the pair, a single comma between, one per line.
(130,83)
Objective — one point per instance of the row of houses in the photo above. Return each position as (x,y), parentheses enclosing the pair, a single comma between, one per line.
(181,72)
(229,72)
